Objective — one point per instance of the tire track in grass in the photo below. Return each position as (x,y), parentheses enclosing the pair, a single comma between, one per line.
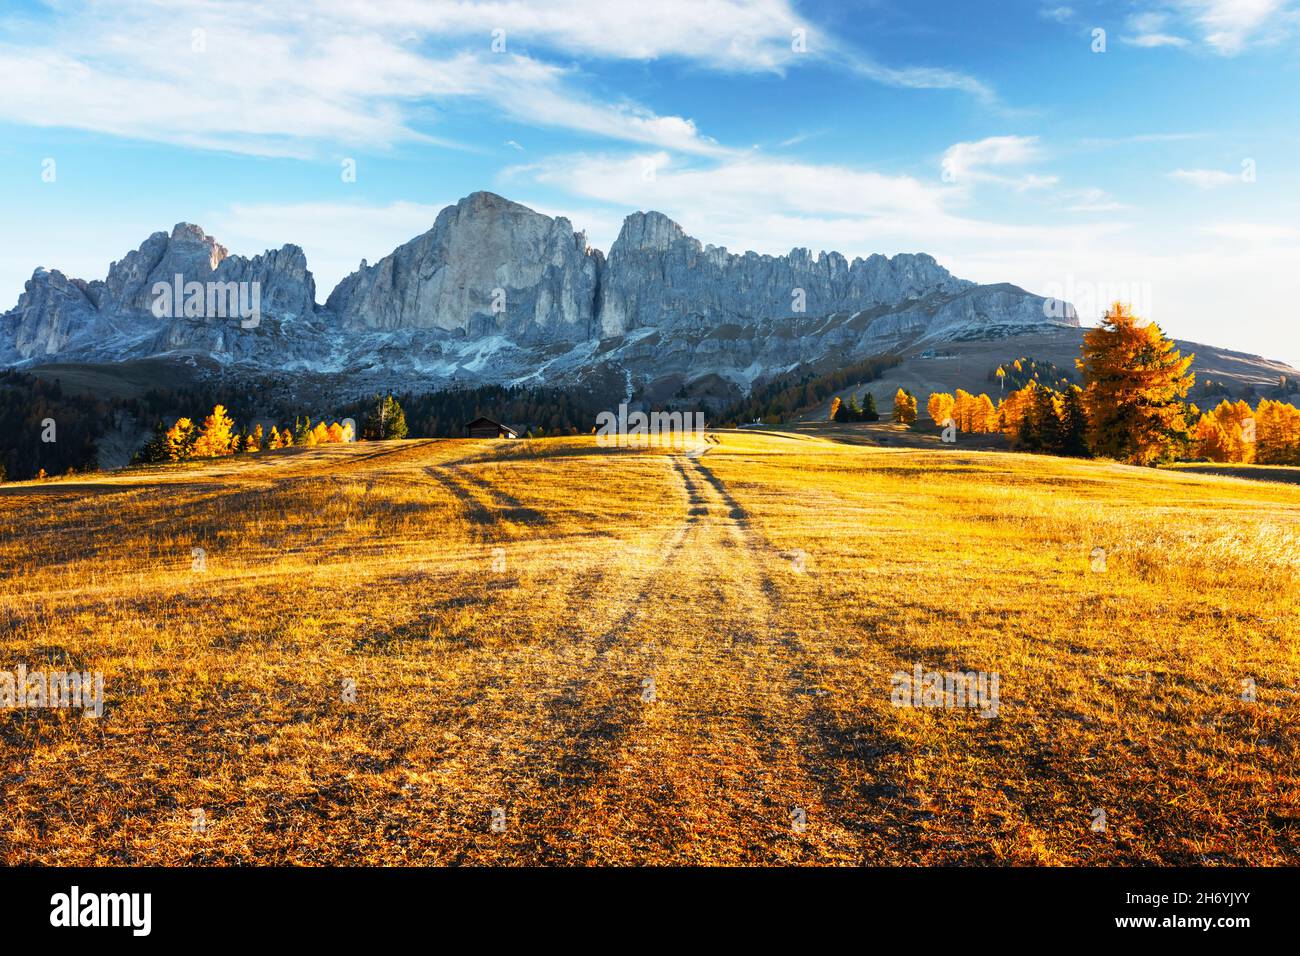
(474,509)
(505,503)
(710,773)
(483,501)
(585,705)
(841,758)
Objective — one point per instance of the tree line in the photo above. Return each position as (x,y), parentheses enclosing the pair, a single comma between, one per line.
(536,411)
(1131,407)
(780,399)
(218,435)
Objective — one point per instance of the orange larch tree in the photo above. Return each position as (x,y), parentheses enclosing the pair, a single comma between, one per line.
(984,416)
(939,407)
(1135,381)
(1209,440)
(904,407)
(180,440)
(216,436)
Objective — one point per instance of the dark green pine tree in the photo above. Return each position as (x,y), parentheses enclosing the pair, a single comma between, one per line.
(155,449)
(1051,436)
(1074,424)
(869,413)
(386,420)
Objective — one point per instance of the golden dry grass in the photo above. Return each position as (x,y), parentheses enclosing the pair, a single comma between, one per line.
(768,589)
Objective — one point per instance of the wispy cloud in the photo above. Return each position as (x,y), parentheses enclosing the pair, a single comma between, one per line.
(975,161)
(1205,178)
(1151,30)
(1252,232)
(768,205)
(742,36)
(1091,200)
(1226,27)
(1229,26)
(1061,14)
(278,78)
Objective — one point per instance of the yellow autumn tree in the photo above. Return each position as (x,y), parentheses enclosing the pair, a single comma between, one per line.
(1135,380)
(216,435)
(1277,433)
(180,440)
(1238,422)
(939,407)
(904,407)
(254,440)
(1209,440)
(319,435)
(963,409)
(835,408)
(984,416)
(1015,409)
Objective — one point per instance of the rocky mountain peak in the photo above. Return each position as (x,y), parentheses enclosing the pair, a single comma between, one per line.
(186,235)
(647,231)
(495,291)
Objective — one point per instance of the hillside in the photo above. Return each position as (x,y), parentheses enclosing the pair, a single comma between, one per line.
(968,364)
(651,658)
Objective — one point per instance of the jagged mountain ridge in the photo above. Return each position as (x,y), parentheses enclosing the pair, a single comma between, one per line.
(496,292)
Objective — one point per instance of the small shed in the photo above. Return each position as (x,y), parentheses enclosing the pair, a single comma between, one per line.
(487,428)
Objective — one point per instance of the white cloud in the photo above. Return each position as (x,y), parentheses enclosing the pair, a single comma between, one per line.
(972,162)
(768,206)
(279,78)
(1252,232)
(1060,14)
(920,78)
(271,80)
(1205,178)
(729,35)
(1090,200)
(1227,27)
(1152,40)
(1149,31)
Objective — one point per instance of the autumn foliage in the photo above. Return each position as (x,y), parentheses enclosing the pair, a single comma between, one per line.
(1233,432)
(940,408)
(904,407)
(1135,381)
(972,414)
(218,437)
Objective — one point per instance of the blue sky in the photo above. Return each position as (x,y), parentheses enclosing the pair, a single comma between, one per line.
(1011,140)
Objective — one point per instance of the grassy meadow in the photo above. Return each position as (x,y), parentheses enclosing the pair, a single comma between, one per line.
(549,652)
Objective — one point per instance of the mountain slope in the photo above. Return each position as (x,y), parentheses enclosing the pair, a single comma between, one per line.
(495,292)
